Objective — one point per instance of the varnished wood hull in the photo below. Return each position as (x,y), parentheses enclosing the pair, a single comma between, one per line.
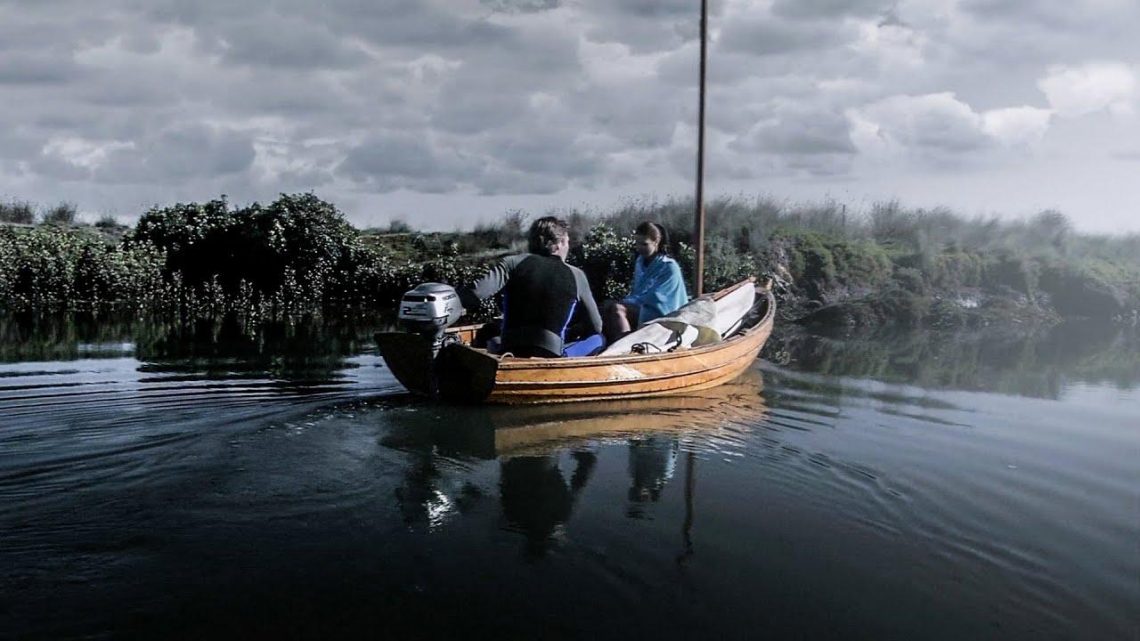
(494,431)
(468,374)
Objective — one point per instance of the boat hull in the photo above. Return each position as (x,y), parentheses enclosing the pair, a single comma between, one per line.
(467,374)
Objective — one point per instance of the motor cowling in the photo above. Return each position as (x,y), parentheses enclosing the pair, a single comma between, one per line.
(428,310)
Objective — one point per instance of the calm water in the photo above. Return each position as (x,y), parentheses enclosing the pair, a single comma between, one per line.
(203,483)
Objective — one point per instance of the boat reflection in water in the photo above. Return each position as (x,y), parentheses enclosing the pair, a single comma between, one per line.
(548,454)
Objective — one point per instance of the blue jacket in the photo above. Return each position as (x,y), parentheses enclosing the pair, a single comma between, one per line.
(657,287)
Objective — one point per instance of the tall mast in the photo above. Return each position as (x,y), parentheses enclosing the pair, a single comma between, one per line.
(699,213)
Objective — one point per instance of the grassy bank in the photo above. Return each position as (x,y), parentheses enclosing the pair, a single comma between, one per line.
(831,267)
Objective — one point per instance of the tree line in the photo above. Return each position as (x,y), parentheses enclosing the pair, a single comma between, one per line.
(300,255)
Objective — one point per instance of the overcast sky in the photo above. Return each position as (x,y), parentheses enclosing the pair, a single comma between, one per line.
(446,112)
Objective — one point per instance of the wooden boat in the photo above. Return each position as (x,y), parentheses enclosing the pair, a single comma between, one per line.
(466,373)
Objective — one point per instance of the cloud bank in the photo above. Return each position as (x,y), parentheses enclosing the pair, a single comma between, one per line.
(446,111)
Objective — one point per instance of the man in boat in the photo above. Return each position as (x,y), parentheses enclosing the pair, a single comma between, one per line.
(542,295)
(658,287)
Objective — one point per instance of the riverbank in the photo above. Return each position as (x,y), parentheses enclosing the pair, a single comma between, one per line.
(830,268)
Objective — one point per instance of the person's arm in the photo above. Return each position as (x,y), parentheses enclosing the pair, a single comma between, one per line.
(586,300)
(637,291)
(673,289)
(494,280)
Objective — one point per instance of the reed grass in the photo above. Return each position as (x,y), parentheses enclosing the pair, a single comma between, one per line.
(299,255)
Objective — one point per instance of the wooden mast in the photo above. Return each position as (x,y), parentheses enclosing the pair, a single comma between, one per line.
(699,213)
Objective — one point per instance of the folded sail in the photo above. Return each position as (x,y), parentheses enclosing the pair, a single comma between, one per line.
(702,321)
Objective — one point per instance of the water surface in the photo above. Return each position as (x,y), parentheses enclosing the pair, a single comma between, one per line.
(214,482)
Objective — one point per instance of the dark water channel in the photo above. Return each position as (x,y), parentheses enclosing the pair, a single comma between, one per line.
(162,482)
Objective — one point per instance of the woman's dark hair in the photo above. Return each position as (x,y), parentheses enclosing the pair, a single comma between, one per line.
(545,233)
(655,232)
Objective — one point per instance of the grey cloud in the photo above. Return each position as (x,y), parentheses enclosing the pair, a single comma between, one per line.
(639,114)
(408,23)
(934,133)
(810,142)
(549,151)
(647,25)
(801,133)
(302,180)
(37,69)
(891,19)
(771,37)
(399,155)
(202,13)
(391,161)
(391,23)
(524,160)
(937,127)
(1045,33)
(486,103)
(16,146)
(56,28)
(141,41)
(102,125)
(111,89)
(1023,10)
(59,168)
(521,6)
(824,9)
(179,153)
(805,51)
(498,181)
(305,99)
(467,106)
(279,41)
(821,165)
(492,89)
(735,110)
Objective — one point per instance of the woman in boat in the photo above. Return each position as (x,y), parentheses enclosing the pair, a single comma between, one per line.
(542,295)
(658,288)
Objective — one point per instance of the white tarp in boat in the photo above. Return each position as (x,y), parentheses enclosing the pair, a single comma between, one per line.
(701,322)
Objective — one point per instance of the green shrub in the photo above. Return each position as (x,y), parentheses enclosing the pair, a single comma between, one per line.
(910,280)
(860,263)
(724,265)
(298,254)
(1015,271)
(607,259)
(954,270)
(810,262)
(18,212)
(51,267)
(61,214)
(399,226)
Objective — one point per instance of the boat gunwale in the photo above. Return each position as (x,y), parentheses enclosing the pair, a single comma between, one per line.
(618,381)
(517,363)
(525,396)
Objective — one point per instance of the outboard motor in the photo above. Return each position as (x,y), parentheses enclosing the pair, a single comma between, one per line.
(428,310)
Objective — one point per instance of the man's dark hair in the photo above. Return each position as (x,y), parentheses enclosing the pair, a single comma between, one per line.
(545,233)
